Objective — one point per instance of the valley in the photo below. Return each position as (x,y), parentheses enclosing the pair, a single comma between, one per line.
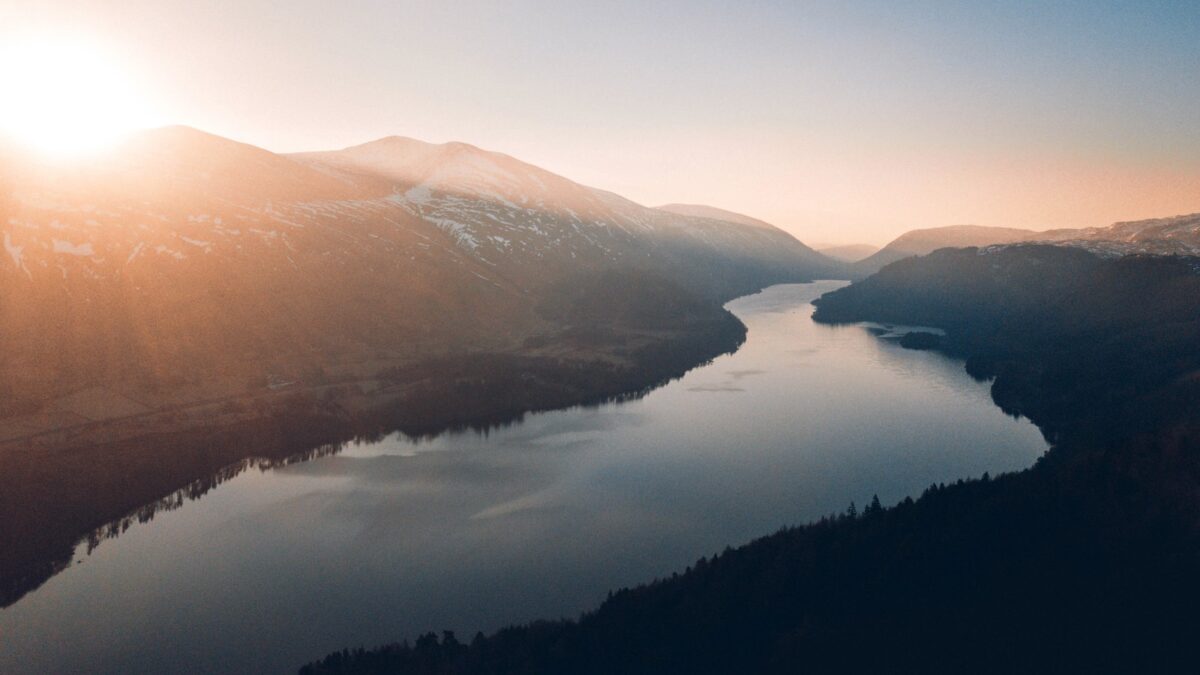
(191,307)
(189,302)
(1002,573)
(471,529)
(638,338)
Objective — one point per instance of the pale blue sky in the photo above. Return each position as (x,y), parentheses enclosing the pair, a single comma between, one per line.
(840,121)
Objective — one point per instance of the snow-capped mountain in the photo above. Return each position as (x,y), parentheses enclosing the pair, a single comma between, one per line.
(184,258)
(1177,235)
(185,253)
(519,218)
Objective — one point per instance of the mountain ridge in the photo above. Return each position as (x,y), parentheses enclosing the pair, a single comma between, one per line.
(705,211)
(185,248)
(1171,235)
(186,301)
(926,240)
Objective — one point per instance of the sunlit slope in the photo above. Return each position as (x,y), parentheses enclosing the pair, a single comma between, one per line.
(522,219)
(182,259)
(187,257)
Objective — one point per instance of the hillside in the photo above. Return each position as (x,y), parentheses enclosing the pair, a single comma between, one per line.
(211,267)
(1053,325)
(523,220)
(1176,235)
(200,263)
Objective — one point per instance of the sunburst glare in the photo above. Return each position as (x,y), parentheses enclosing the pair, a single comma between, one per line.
(66,97)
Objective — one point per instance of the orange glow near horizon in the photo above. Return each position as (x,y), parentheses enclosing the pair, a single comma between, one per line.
(66,98)
(827,121)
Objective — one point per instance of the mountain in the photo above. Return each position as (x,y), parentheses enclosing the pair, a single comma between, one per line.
(849,252)
(521,219)
(184,266)
(832,267)
(924,241)
(187,263)
(1177,235)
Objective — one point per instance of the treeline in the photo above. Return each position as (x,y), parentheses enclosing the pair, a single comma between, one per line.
(1084,563)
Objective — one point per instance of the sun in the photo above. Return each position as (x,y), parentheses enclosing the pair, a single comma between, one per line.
(65,97)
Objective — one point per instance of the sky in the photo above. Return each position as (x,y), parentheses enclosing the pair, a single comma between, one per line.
(842,122)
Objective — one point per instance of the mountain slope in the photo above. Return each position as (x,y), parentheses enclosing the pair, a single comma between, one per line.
(517,217)
(1176,235)
(184,265)
(186,257)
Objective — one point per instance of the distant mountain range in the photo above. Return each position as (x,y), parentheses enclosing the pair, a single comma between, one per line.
(186,266)
(925,241)
(1179,235)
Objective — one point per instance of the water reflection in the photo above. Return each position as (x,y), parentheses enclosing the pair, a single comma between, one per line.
(471,530)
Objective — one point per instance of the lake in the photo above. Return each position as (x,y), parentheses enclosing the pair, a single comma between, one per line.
(471,531)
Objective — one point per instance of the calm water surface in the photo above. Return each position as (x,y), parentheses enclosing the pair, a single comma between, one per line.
(470,532)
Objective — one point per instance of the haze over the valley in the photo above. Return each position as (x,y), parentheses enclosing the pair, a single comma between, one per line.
(415,337)
(840,124)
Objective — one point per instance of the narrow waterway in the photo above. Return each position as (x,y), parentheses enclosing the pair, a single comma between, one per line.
(470,531)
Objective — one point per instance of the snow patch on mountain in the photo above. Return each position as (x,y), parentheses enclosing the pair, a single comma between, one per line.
(207,246)
(82,250)
(15,252)
(137,249)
